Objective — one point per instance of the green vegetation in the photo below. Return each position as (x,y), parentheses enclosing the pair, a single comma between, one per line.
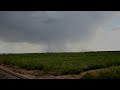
(110,73)
(62,63)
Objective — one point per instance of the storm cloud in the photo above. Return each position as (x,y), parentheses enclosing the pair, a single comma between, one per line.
(58,30)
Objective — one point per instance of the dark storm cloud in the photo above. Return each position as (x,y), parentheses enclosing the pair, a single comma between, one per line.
(49,27)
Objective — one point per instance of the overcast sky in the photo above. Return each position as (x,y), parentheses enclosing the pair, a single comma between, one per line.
(59,31)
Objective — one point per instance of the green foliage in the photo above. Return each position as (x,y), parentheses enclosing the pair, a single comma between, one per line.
(62,63)
(110,73)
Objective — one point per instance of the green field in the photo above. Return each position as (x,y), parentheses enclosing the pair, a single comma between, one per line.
(109,73)
(62,63)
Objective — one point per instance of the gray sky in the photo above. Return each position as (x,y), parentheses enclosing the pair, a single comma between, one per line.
(59,31)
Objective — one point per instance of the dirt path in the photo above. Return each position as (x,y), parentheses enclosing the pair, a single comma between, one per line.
(6,73)
(70,76)
(29,74)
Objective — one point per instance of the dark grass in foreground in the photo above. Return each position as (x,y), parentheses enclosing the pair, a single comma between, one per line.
(109,73)
(62,63)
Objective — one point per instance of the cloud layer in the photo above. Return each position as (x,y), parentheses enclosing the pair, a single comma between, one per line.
(57,30)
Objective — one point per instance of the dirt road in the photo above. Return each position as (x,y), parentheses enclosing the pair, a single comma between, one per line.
(4,75)
(8,74)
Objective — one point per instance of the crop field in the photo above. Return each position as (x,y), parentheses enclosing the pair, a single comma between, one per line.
(67,63)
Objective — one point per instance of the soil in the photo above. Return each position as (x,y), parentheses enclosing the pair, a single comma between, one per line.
(4,75)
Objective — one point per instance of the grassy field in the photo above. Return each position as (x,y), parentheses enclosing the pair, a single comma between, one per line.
(109,73)
(62,63)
